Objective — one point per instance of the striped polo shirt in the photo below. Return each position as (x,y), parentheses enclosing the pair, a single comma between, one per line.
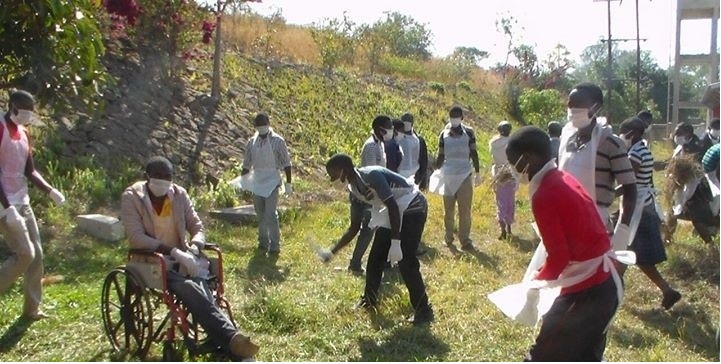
(373,152)
(612,165)
(641,155)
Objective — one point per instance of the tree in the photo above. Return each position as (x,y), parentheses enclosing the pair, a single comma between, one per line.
(465,59)
(397,35)
(51,48)
(540,107)
(335,40)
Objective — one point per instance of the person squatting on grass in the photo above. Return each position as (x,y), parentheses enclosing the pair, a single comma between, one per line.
(399,212)
(157,214)
(17,220)
(504,185)
(597,158)
(579,256)
(452,179)
(647,242)
(265,154)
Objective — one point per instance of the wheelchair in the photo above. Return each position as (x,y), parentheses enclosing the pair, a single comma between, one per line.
(138,309)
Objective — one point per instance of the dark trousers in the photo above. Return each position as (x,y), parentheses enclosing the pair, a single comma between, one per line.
(411,232)
(574,329)
(362,211)
(197,297)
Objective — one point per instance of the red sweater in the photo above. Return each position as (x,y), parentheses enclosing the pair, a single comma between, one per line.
(568,222)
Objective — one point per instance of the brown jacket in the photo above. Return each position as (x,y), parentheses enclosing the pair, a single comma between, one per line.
(138,221)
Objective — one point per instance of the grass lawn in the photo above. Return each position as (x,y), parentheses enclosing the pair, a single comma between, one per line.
(299,309)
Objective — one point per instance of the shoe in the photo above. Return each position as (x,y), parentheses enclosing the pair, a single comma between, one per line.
(450,245)
(241,346)
(364,304)
(37,316)
(420,251)
(468,247)
(359,271)
(670,298)
(421,317)
(274,252)
(502,236)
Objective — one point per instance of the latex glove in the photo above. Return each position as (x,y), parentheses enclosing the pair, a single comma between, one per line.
(288,189)
(57,196)
(187,260)
(621,237)
(199,244)
(14,219)
(395,254)
(477,179)
(324,254)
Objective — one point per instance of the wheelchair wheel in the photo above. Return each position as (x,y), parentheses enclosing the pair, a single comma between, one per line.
(127,313)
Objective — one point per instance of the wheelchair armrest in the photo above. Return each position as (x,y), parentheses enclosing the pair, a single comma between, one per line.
(146,252)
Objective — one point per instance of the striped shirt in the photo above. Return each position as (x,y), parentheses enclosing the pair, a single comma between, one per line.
(640,155)
(612,165)
(373,153)
(277,143)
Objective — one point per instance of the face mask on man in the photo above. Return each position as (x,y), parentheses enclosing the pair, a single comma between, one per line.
(521,177)
(407,126)
(262,130)
(578,117)
(627,139)
(159,187)
(23,117)
(714,133)
(455,122)
(680,140)
(388,135)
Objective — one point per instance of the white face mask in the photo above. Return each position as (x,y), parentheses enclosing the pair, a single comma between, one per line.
(627,139)
(714,133)
(399,137)
(680,140)
(407,126)
(159,187)
(388,134)
(455,122)
(521,177)
(262,130)
(23,117)
(578,117)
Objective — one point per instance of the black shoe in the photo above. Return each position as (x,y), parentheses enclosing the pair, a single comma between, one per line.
(670,298)
(420,251)
(468,246)
(421,317)
(359,271)
(363,303)
(274,253)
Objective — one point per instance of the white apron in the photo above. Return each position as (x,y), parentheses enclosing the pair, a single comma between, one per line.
(582,164)
(379,211)
(13,156)
(263,177)
(411,147)
(455,169)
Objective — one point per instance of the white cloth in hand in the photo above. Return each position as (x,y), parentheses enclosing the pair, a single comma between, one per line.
(288,188)
(395,254)
(477,179)
(14,219)
(187,260)
(57,196)
(324,254)
(621,237)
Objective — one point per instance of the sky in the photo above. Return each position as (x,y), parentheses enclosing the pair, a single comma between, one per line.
(541,23)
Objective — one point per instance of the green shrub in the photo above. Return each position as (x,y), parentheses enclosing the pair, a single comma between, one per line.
(437,87)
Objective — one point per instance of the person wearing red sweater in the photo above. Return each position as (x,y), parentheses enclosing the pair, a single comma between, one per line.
(579,250)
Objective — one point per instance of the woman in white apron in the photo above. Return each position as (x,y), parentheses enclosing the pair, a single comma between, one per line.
(265,155)
(577,289)
(456,152)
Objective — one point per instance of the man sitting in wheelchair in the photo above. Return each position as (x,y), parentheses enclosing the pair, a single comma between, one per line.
(156,215)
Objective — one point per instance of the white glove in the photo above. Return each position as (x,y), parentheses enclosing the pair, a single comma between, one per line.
(288,189)
(621,237)
(477,179)
(14,219)
(395,254)
(324,254)
(187,260)
(57,196)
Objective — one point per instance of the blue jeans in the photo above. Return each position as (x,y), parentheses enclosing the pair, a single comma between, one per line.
(365,235)
(268,227)
(197,297)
